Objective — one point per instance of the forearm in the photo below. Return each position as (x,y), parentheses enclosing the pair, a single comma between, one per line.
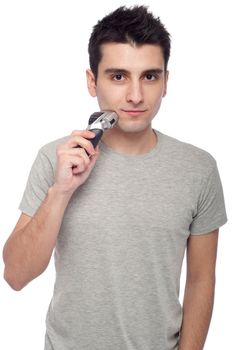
(197,312)
(28,251)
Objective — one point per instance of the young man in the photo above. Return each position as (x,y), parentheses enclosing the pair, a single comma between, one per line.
(121,219)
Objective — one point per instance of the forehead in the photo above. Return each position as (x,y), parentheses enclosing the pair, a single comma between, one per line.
(131,57)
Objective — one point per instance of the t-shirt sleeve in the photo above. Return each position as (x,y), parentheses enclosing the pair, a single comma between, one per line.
(41,177)
(211,212)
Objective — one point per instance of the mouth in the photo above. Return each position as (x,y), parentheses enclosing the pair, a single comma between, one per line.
(134,112)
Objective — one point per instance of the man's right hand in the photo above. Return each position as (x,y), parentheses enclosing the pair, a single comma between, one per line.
(73,163)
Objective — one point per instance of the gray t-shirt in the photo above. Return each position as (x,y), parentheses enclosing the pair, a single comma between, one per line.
(120,248)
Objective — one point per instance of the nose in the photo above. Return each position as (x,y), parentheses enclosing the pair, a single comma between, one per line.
(135,93)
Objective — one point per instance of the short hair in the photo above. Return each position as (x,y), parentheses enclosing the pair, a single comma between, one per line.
(134,25)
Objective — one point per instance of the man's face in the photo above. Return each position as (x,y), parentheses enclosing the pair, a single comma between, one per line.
(132,82)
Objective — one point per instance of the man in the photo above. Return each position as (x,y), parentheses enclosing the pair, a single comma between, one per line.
(121,219)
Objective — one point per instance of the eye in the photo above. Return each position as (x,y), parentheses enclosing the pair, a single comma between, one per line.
(118,77)
(150,77)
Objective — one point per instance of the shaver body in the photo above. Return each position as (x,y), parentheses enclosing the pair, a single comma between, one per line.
(97,138)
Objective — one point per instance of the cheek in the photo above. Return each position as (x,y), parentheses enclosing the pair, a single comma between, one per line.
(107,98)
(103,101)
(156,104)
(155,97)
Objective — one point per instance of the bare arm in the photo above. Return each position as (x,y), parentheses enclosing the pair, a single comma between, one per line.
(28,250)
(199,290)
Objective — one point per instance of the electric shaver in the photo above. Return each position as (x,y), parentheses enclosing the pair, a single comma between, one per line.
(99,122)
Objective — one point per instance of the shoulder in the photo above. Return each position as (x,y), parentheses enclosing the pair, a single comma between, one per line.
(186,155)
(48,150)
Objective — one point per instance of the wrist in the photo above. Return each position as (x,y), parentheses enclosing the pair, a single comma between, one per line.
(60,195)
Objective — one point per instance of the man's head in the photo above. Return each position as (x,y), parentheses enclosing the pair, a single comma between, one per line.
(129,51)
(135,26)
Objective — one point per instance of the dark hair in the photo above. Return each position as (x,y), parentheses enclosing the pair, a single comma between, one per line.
(128,25)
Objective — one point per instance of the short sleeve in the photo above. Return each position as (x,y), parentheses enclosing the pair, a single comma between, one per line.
(41,177)
(211,212)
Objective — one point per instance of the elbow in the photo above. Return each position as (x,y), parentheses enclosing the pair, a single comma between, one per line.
(13,281)
(12,275)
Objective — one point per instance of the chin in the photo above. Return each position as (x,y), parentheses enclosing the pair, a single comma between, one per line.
(133,127)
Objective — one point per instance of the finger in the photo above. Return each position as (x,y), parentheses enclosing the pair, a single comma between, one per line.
(77,163)
(63,151)
(89,167)
(79,155)
(96,155)
(79,141)
(83,133)
(75,152)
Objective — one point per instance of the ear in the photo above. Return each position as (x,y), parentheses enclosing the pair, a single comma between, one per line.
(165,83)
(91,83)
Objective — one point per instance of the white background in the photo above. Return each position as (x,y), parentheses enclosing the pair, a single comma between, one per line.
(43,96)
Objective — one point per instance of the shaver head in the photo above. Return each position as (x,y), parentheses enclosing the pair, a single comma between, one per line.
(102,120)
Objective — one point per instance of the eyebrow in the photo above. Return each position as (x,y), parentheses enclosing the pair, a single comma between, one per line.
(125,71)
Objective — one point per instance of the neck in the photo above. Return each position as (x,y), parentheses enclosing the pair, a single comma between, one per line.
(130,143)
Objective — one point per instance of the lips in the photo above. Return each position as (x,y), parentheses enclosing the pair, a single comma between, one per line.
(134,112)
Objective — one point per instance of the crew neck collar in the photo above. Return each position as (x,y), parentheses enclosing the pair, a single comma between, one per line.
(106,149)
